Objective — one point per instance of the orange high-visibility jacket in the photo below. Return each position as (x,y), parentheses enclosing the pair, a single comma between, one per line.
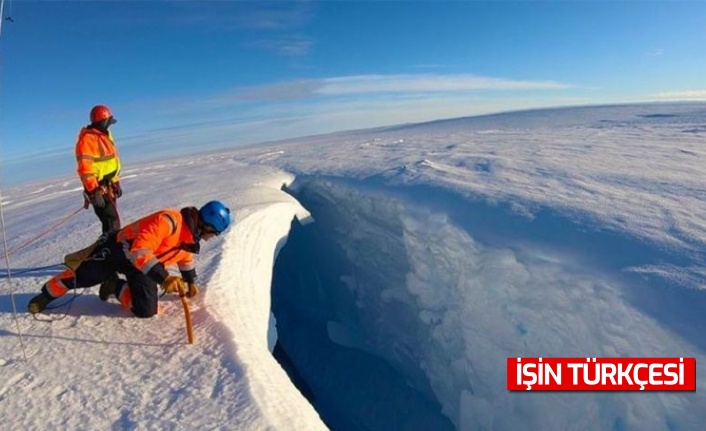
(97,158)
(160,240)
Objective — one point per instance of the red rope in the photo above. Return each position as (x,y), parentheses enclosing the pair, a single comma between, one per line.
(31,240)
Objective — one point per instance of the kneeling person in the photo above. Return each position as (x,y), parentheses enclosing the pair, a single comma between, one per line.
(142,251)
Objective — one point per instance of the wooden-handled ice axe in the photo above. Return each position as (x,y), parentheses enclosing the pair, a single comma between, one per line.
(187,316)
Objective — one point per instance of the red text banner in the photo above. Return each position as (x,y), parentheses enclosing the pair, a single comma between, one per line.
(601,374)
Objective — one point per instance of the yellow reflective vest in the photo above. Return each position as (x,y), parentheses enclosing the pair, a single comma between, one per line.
(97,158)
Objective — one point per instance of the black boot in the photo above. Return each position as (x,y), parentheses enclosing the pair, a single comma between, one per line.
(109,287)
(39,303)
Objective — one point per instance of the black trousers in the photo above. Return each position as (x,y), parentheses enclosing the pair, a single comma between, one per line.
(104,262)
(108,215)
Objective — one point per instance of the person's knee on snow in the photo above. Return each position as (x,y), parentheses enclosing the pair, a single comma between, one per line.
(143,312)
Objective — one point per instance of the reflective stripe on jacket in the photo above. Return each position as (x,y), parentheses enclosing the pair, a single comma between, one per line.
(160,240)
(97,158)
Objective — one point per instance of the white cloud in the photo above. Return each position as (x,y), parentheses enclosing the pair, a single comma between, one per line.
(383,84)
(234,15)
(429,83)
(273,26)
(277,15)
(280,91)
(429,66)
(681,95)
(290,46)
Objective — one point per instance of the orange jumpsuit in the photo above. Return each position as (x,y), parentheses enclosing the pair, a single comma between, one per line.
(99,167)
(142,251)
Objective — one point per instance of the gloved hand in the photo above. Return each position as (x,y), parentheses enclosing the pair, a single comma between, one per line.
(117,189)
(174,284)
(96,198)
(193,290)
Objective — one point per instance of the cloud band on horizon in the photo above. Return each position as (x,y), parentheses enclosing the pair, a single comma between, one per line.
(682,95)
(400,83)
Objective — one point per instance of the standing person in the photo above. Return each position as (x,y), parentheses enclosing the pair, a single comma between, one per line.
(99,167)
(142,251)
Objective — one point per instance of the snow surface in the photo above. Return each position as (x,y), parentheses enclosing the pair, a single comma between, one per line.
(436,251)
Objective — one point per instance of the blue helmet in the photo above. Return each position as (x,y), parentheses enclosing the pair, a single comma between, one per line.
(216,215)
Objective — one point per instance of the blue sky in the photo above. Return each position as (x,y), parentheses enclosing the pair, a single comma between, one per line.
(185,76)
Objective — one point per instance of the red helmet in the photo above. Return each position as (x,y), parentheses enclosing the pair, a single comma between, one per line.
(100,113)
